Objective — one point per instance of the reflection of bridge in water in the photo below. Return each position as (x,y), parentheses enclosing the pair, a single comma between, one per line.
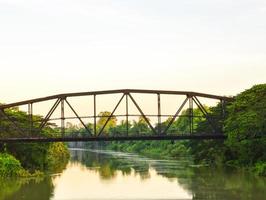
(35,129)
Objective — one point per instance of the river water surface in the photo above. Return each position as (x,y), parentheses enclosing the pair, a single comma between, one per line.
(103,174)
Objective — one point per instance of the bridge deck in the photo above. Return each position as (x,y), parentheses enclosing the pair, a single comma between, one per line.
(115,138)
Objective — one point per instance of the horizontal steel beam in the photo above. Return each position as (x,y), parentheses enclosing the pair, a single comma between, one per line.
(125,91)
(115,138)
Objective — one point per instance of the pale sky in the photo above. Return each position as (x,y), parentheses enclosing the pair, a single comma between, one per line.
(56,46)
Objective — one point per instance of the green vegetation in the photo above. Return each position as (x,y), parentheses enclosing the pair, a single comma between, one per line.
(245,126)
(9,166)
(246,130)
(40,188)
(29,159)
(244,123)
(166,149)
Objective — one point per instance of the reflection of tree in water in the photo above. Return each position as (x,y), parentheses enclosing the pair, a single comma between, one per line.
(58,167)
(107,166)
(8,187)
(206,183)
(219,183)
(30,188)
(203,183)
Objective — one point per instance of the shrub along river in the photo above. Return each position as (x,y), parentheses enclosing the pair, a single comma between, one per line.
(104,174)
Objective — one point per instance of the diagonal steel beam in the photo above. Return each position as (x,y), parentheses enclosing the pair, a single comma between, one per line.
(204,112)
(176,114)
(51,111)
(73,110)
(142,114)
(111,115)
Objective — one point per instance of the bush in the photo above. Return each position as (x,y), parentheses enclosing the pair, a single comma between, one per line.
(10,166)
(260,168)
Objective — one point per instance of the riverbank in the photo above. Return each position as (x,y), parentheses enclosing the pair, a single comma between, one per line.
(175,150)
(154,149)
(29,159)
(33,160)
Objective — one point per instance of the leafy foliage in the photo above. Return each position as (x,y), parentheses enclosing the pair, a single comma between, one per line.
(9,166)
(33,156)
(102,121)
(246,127)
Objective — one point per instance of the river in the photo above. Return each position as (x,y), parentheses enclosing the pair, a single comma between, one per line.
(104,174)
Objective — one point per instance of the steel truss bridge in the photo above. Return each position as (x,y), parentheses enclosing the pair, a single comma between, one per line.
(33,132)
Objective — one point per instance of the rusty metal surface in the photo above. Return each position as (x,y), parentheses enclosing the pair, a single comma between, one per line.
(125,91)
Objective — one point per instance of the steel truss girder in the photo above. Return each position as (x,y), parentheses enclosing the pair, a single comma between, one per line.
(190,96)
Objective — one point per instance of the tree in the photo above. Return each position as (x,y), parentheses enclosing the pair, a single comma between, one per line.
(140,127)
(246,127)
(103,117)
(121,129)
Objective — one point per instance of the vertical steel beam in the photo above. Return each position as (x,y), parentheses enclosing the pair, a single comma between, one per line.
(62,117)
(159,113)
(127,112)
(191,115)
(94,115)
(222,113)
(223,108)
(30,114)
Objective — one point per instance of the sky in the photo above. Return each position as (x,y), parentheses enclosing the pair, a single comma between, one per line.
(56,46)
